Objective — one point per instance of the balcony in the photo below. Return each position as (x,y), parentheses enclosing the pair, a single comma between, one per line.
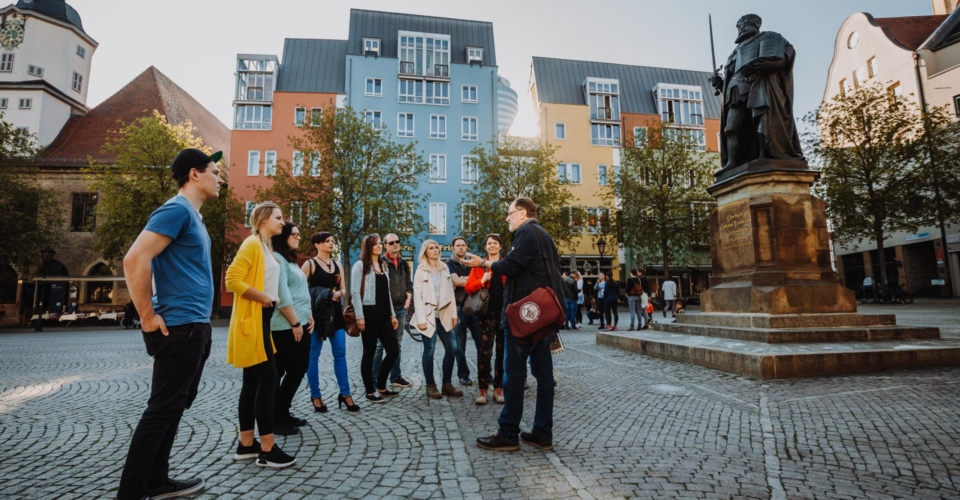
(440,71)
(603,113)
(408,68)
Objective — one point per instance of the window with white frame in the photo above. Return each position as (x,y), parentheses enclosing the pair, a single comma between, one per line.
(639,137)
(604,134)
(956,104)
(569,172)
(438,93)
(598,219)
(438,168)
(468,169)
(6,63)
(404,124)
(35,70)
(468,128)
(77,81)
(680,104)
(250,205)
(424,53)
(82,52)
(253,163)
(468,94)
(270,163)
(26,103)
(872,67)
(315,163)
(297,163)
(316,117)
(468,217)
(560,131)
(252,117)
(3,102)
(24,130)
(374,87)
(299,116)
(374,118)
(438,127)
(474,54)
(438,218)
(411,91)
(371,46)
(574,218)
(602,177)
(859,76)
(603,96)
(694,139)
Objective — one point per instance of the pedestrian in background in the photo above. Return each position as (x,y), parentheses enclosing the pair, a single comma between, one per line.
(254,279)
(293,351)
(570,293)
(370,294)
(600,287)
(611,299)
(401,290)
(634,291)
(489,320)
(669,297)
(580,298)
(169,272)
(435,314)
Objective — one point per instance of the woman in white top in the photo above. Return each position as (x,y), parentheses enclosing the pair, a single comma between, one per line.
(435,314)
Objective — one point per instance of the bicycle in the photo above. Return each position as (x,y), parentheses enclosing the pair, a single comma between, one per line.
(894,293)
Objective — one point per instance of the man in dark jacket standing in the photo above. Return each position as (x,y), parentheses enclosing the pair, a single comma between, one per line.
(526,270)
(401,289)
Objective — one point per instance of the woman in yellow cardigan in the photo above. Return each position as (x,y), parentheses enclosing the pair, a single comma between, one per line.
(254,279)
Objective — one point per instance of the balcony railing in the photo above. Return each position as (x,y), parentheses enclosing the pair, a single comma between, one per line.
(408,68)
(441,70)
(603,113)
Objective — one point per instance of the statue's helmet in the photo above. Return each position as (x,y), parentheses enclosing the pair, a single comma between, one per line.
(751,19)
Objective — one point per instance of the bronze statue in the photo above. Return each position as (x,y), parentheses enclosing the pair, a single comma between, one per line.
(757,85)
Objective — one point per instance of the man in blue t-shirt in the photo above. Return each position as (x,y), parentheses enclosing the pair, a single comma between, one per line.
(169,274)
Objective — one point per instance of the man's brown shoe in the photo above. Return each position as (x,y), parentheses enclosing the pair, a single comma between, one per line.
(532,440)
(433,393)
(450,390)
(496,443)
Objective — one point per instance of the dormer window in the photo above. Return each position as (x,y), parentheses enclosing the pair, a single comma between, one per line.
(474,55)
(371,47)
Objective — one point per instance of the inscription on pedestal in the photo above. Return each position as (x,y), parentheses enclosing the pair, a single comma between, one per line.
(734,238)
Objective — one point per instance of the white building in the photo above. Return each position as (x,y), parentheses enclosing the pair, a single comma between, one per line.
(507,104)
(45,58)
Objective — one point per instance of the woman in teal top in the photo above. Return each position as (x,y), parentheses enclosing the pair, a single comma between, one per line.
(292,351)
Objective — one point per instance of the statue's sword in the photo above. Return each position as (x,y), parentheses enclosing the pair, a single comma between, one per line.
(713,52)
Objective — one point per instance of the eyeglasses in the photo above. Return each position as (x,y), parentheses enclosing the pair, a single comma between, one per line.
(295,235)
(395,242)
(512,212)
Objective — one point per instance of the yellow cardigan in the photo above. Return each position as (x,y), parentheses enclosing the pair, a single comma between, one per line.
(245,339)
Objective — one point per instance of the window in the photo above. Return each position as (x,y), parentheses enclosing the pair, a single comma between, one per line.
(893,93)
(374,87)
(691,138)
(560,131)
(371,46)
(438,93)
(100,291)
(77,81)
(250,205)
(438,127)
(438,218)
(253,163)
(249,117)
(602,178)
(411,91)
(36,71)
(603,96)
(567,172)
(468,128)
(424,54)
(468,218)
(316,117)
(269,163)
(23,130)
(639,137)
(468,94)
(604,135)
(83,217)
(956,104)
(474,54)
(6,62)
(680,104)
(468,169)
(255,86)
(315,164)
(859,76)
(405,125)
(82,52)
(872,67)
(374,118)
(597,220)
(438,168)
(297,163)
(3,103)
(574,219)
(299,116)
(843,86)
(26,103)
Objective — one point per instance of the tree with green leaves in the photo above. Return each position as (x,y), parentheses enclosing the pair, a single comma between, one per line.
(939,174)
(138,181)
(866,148)
(661,192)
(351,179)
(507,169)
(30,215)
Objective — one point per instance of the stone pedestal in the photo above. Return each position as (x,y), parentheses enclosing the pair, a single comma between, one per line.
(775,307)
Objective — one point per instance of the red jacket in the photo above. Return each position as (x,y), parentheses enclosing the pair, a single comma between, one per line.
(473,281)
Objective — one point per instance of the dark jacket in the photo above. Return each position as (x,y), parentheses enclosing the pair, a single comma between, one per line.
(631,281)
(401,281)
(645,284)
(570,291)
(611,290)
(456,267)
(524,265)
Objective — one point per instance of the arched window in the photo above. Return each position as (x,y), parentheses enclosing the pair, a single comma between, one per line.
(8,285)
(100,292)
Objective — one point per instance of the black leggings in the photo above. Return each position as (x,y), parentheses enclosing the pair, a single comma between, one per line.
(292,360)
(610,309)
(259,387)
(378,328)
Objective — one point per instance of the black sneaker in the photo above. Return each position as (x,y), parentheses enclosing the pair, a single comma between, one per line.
(176,488)
(536,442)
(247,452)
(466,381)
(285,429)
(402,382)
(388,393)
(496,443)
(275,458)
(294,421)
(375,398)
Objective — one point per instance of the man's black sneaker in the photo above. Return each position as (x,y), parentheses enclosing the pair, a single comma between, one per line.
(294,421)
(496,443)
(466,381)
(247,452)
(402,382)
(375,398)
(388,393)
(532,440)
(284,429)
(176,488)
(275,458)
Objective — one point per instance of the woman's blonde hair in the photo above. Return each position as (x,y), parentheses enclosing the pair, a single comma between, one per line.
(260,214)
(422,258)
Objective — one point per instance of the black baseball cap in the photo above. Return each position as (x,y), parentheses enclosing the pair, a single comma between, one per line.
(191,158)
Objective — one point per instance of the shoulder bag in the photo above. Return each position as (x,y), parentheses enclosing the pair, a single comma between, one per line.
(476,303)
(539,314)
(350,314)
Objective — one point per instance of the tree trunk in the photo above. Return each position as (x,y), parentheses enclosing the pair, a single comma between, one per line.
(881,252)
(666,260)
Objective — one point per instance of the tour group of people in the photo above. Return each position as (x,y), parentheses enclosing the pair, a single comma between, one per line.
(284,312)
(602,306)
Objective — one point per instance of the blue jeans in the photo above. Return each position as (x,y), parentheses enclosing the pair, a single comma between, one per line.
(449,341)
(515,373)
(339,345)
(463,323)
(378,353)
(571,313)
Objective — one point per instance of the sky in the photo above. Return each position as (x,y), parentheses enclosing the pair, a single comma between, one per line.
(195,42)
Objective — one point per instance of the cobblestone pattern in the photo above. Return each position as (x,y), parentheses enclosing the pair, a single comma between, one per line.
(626,426)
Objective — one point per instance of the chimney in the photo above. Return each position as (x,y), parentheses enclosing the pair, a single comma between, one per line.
(943,7)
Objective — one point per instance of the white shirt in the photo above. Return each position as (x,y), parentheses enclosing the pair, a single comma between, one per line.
(271,274)
(868,281)
(669,290)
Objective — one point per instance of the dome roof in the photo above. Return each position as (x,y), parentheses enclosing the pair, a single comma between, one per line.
(57,9)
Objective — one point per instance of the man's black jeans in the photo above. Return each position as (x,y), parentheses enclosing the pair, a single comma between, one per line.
(178,361)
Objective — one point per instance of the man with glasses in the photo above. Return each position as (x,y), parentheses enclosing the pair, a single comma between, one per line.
(401,289)
(526,271)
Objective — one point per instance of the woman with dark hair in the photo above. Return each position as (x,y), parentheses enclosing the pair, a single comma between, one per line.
(292,349)
(370,295)
(323,271)
(490,330)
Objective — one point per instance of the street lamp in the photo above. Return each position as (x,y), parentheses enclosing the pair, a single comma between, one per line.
(601,246)
(46,255)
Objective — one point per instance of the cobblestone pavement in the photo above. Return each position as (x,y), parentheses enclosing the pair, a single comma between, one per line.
(626,426)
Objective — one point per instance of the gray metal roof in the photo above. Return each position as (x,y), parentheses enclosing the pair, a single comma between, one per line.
(561,81)
(311,65)
(385,25)
(57,9)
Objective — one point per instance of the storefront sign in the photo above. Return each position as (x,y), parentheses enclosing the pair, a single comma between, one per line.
(953,238)
(938,282)
(920,236)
